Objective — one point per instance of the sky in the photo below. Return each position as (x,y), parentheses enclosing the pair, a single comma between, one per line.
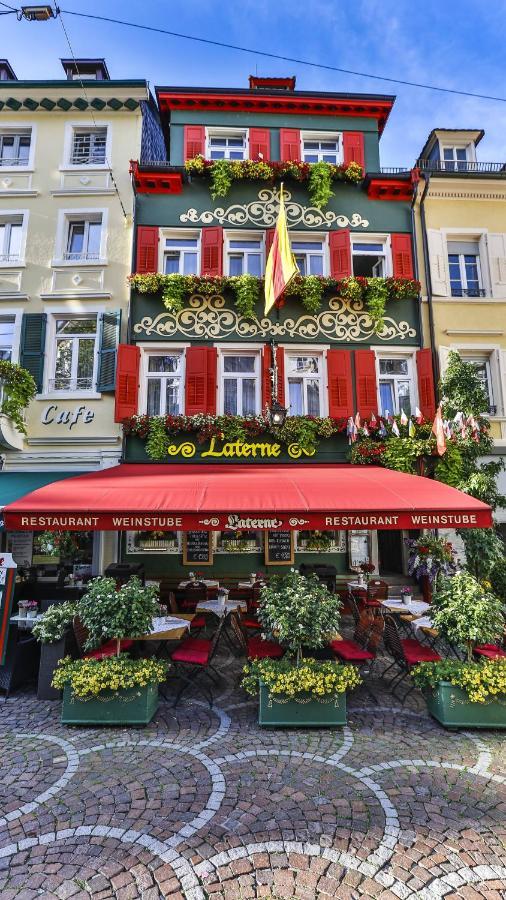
(457,45)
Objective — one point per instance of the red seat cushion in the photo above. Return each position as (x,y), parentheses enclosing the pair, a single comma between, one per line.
(490,651)
(260,649)
(109,649)
(350,651)
(193,650)
(415,652)
(249,622)
(198,622)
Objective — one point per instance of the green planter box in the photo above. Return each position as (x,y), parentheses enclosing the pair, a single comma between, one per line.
(306,711)
(131,706)
(451,706)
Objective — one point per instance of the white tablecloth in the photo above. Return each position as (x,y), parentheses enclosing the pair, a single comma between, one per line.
(168,623)
(245,585)
(415,608)
(207,581)
(420,623)
(355,586)
(221,608)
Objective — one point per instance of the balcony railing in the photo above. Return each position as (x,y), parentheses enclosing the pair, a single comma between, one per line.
(81,257)
(64,383)
(9,257)
(465,166)
(467,292)
(13,161)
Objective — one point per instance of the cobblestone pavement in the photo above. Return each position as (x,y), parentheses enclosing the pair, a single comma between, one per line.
(205,804)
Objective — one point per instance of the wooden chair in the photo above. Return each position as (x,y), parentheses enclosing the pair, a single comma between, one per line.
(254,647)
(193,663)
(405,652)
(197,624)
(193,595)
(106,649)
(377,591)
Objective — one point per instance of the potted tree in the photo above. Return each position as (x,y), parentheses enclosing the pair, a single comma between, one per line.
(466,693)
(52,632)
(112,688)
(302,615)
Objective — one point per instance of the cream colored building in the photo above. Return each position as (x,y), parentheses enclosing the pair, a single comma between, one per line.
(66,208)
(460,215)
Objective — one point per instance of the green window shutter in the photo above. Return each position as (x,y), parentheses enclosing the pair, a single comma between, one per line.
(33,345)
(109,334)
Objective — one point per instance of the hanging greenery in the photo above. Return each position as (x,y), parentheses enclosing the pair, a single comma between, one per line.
(17,388)
(318,176)
(376,296)
(247,294)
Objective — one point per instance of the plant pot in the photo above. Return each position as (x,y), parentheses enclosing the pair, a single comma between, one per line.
(50,655)
(451,707)
(305,711)
(128,706)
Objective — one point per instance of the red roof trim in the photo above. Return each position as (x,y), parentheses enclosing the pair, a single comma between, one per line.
(389,189)
(154,182)
(286,103)
(287,84)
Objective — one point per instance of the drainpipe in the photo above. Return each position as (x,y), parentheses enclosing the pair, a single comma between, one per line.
(428,280)
(415,258)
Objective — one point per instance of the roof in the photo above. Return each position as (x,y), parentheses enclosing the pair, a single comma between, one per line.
(99,61)
(432,136)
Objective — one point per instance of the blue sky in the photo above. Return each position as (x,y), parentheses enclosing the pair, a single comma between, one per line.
(453,44)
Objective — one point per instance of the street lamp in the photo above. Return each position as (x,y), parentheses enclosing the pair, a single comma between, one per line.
(275,411)
(37,13)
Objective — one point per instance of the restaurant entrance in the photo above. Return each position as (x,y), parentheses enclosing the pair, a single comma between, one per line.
(390,553)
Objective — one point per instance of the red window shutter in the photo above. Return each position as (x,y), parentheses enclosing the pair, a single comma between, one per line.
(340,254)
(200,380)
(353,148)
(365,381)
(260,144)
(426,393)
(211,251)
(194,141)
(266,376)
(127,382)
(402,256)
(340,383)
(269,237)
(147,249)
(289,141)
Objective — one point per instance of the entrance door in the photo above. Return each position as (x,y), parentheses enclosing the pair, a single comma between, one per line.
(390,552)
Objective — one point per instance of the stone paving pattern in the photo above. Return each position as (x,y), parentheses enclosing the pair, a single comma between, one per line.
(205,804)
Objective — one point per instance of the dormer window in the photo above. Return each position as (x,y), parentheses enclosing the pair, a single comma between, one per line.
(321,147)
(227,144)
(455,159)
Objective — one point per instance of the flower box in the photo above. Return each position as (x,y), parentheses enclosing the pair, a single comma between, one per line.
(451,706)
(127,706)
(302,712)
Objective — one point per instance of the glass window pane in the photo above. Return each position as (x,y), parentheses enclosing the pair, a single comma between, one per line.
(295,397)
(172,396)
(365,247)
(94,231)
(153,399)
(163,363)
(239,363)
(315,265)
(216,142)
(311,145)
(249,245)
(448,153)
(248,397)
(329,158)
(177,242)
(461,153)
(235,142)
(236,154)
(313,397)
(328,145)
(15,241)
(85,359)
(190,264)
(254,264)
(310,157)
(393,366)
(236,264)
(6,338)
(301,264)
(172,263)
(307,245)
(63,367)
(76,237)
(217,154)
(403,390)
(386,398)
(76,326)
(230,397)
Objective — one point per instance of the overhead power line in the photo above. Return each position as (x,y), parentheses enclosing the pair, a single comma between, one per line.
(291,59)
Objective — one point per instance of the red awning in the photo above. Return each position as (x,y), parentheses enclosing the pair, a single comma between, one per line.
(219,497)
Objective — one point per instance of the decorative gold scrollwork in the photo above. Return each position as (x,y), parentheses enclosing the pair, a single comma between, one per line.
(186,450)
(295,451)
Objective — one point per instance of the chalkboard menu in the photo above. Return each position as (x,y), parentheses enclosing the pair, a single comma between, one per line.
(198,548)
(279,548)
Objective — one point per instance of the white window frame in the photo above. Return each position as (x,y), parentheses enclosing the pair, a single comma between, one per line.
(219,549)
(463,273)
(6,127)
(222,131)
(68,141)
(322,136)
(132,550)
(320,351)
(157,349)
(54,313)
(470,234)
(384,239)
(496,358)
(451,165)
(17,316)
(244,350)
(65,217)
(307,237)
(402,353)
(245,236)
(178,234)
(339,547)
(6,216)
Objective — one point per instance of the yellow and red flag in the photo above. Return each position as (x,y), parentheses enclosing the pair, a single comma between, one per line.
(281,266)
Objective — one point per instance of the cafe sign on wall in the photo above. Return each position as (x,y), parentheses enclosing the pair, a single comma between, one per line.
(236,450)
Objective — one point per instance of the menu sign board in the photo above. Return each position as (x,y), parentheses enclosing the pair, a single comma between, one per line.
(360,550)
(20,544)
(7,579)
(279,548)
(198,548)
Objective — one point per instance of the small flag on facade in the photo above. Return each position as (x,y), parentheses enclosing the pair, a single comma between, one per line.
(357,420)
(404,418)
(395,429)
(418,416)
(351,431)
(411,429)
(382,430)
(373,420)
(365,430)
(281,266)
(438,430)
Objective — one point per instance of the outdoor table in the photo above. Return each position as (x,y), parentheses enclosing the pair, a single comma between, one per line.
(167,628)
(221,607)
(355,586)
(415,608)
(24,621)
(209,582)
(248,585)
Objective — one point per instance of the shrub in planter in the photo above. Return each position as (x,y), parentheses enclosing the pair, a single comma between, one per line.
(498,579)
(108,612)
(52,625)
(52,632)
(299,612)
(456,692)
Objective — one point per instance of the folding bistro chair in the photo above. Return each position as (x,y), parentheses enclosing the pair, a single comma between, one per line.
(105,650)
(193,595)
(362,649)
(254,647)
(406,653)
(377,591)
(193,662)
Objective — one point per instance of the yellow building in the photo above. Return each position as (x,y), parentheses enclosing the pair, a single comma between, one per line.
(66,208)
(460,220)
